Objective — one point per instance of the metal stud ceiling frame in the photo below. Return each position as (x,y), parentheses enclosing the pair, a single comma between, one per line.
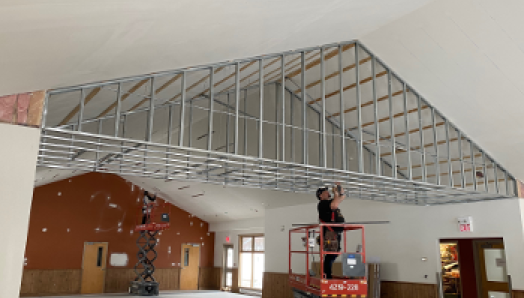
(382,153)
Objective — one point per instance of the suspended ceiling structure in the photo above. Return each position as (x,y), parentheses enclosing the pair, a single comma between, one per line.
(289,121)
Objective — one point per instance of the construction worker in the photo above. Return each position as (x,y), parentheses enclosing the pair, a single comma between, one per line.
(328,212)
(146,208)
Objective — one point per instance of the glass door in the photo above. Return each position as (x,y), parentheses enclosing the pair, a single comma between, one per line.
(228,266)
(493,272)
(251,261)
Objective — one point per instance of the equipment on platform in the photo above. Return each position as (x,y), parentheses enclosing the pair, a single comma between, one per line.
(154,218)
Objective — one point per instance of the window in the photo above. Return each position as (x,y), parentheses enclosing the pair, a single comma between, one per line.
(228,266)
(252,261)
(186,257)
(99,256)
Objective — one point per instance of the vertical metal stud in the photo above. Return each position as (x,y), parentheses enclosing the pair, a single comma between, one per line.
(124,122)
(98,144)
(118,109)
(375,116)
(406,123)
(506,182)
(227,120)
(323,116)
(182,111)
(421,136)
(359,140)
(151,111)
(392,127)
(473,166)
(277,130)
(283,94)
(81,113)
(450,168)
(461,159)
(435,145)
(495,173)
(342,109)
(237,104)
(261,114)
(292,120)
(211,105)
(245,122)
(485,171)
(304,110)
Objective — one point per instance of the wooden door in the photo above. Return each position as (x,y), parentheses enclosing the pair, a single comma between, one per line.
(190,267)
(493,273)
(94,267)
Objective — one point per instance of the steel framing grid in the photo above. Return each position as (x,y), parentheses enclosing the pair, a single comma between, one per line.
(302,155)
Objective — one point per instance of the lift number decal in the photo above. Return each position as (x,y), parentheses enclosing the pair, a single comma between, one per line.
(342,287)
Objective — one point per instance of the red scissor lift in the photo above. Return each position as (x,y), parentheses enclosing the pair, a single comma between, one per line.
(306,285)
(153,218)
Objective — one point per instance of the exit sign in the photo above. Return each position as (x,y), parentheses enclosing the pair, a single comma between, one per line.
(465,224)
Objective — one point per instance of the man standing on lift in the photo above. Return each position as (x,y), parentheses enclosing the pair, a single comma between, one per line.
(328,212)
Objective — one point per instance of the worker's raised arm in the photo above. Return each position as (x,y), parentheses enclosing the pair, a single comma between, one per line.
(339,197)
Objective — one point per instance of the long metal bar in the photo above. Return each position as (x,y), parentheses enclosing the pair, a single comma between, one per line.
(461,159)
(151,113)
(211,105)
(495,173)
(359,139)
(342,108)
(323,117)
(261,111)
(124,122)
(406,123)
(182,110)
(292,120)
(435,145)
(392,128)
(485,171)
(98,146)
(304,110)
(237,104)
(422,142)
(81,113)
(375,116)
(277,130)
(448,146)
(473,166)
(118,109)
(283,94)
(506,182)
(245,123)
(227,124)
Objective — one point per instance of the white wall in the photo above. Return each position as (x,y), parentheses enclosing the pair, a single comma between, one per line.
(233,229)
(18,154)
(413,233)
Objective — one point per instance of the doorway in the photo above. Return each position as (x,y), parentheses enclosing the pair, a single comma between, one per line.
(94,267)
(252,261)
(190,267)
(474,268)
(228,267)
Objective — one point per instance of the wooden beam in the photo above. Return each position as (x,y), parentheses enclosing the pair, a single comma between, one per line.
(404,133)
(380,74)
(440,162)
(36,105)
(317,62)
(425,146)
(368,103)
(166,84)
(124,97)
(387,118)
(482,182)
(334,74)
(205,78)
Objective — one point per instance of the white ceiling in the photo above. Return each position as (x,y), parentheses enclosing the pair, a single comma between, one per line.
(52,43)
(466,57)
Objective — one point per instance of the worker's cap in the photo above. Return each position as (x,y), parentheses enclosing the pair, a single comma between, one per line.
(320,190)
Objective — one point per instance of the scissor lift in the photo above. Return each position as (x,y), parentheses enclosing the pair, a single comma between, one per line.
(154,218)
(309,285)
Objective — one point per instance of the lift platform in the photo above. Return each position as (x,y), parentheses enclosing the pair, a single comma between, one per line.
(153,219)
(313,284)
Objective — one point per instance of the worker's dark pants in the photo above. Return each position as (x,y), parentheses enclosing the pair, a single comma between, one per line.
(330,259)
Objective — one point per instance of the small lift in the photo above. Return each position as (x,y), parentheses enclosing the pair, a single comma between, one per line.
(154,218)
(354,281)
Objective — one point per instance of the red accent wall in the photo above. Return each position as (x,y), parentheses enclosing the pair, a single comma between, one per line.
(99,207)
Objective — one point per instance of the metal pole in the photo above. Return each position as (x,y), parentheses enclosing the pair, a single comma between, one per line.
(169,138)
(359,140)
(124,122)
(227,122)
(450,169)
(44,111)
(261,114)
(406,123)
(211,102)
(283,85)
(422,143)
(81,113)
(323,119)
(495,170)
(98,144)
(118,109)
(245,122)
(277,131)
(392,127)
(292,112)
(375,116)
(342,109)
(182,111)
(435,145)
(461,158)
(237,104)
(506,182)
(151,111)
(304,110)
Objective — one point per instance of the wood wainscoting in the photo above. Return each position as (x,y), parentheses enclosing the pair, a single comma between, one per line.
(37,282)
(210,278)
(117,280)
(518,294)
(276,285)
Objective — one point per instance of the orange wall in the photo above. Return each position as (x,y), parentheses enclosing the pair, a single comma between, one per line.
(82,205)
